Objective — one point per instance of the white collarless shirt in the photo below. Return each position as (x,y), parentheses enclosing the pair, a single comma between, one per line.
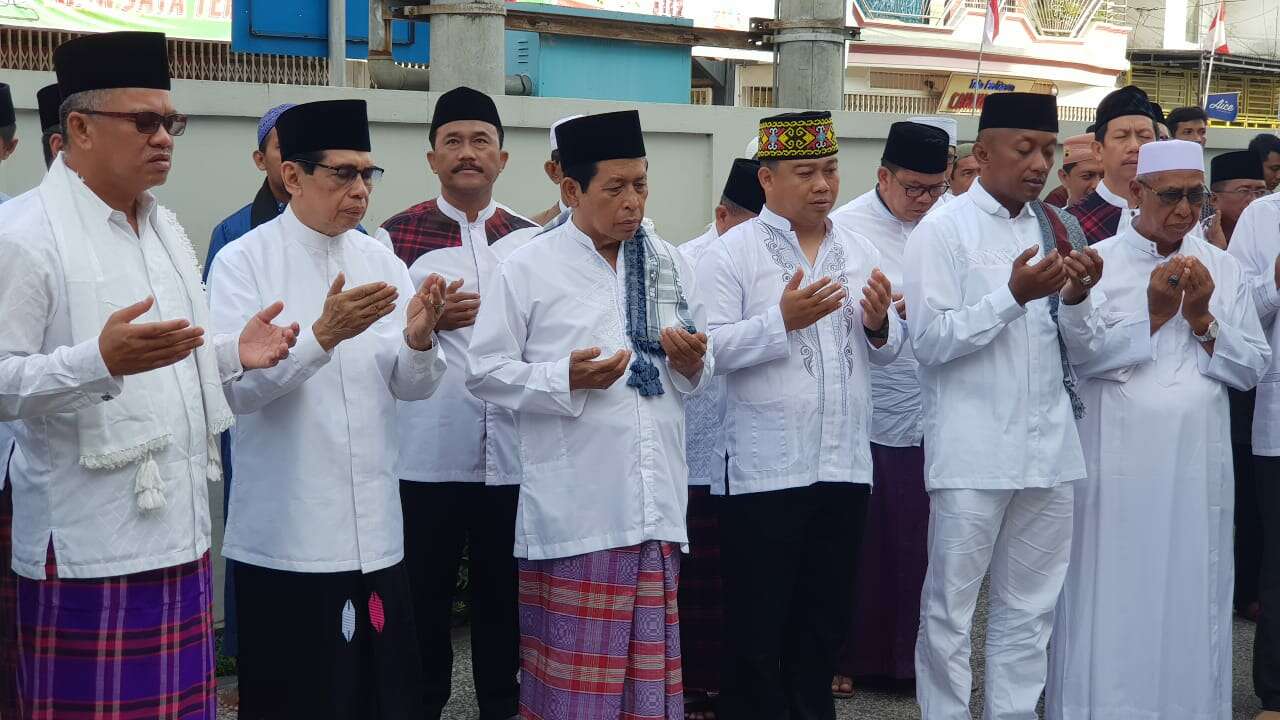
(798,407)
(997,416)
(896,416)
(601,469)
(704,412)
(1255,243)
(457,437)
(91,517)
(315,437)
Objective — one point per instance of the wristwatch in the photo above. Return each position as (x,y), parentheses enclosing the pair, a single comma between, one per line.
(1210,333)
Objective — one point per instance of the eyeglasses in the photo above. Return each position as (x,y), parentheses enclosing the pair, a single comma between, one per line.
(1255,193)
(347,174)
(147,123)
(1194,196)
(916,191)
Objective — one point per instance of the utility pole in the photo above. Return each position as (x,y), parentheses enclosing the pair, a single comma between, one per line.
(338,43)
(810,40)
(468,46)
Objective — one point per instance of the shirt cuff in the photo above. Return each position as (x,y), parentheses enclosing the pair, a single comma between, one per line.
(422,360)
(1078,311)
(91,368)
(573,401)
(226,348)
(1006,307)
(308,353)
(1269,297)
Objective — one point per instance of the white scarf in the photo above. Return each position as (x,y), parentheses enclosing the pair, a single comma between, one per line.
(127,430)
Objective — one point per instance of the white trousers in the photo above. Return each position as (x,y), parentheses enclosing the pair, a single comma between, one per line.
(1024,538)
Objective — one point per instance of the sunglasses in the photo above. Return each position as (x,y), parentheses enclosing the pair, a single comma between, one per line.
(347,174)
(147,123)
(1194,196)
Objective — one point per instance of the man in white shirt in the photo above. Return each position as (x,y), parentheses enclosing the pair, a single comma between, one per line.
(1001,446)
(882,634)
(1153,519)
(1255,243)
(701,598)
(314,522)
(795,358)
(1125,122)
(603,490)
(8,127)
(116,420)
(458,484)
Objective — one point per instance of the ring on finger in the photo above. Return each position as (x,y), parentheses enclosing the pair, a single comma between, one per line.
(1174,280)
(1087,280)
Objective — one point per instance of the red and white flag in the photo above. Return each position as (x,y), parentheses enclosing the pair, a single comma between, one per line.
(993,20)
(1215,40)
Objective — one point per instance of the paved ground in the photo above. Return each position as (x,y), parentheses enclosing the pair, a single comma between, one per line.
(869,705)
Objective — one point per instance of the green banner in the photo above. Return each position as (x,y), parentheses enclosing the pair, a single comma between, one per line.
(190,19)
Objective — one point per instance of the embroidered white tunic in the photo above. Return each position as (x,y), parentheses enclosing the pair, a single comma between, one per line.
(314,444)
(457,437)
(1256,244)
(1143,626)
(798,408)
(91,517)
(704,412)
(975,342)
(602,469)
(896,416)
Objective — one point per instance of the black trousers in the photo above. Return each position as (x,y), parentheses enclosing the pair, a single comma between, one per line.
(788,559)
(1248,521)
(440,521)
(1266,643)
(327,646)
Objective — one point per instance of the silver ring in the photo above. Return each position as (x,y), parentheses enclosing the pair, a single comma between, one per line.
(1174,280)
(1087,280)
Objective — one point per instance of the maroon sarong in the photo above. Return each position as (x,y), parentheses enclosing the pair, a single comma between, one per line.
(121,648)
(894,557)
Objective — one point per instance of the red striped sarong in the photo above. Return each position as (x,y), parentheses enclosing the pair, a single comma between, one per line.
(121,648)
(600,636)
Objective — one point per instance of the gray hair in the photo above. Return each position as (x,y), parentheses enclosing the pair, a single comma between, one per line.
(82,101)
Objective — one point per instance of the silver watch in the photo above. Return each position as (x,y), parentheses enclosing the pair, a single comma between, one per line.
(1210,333)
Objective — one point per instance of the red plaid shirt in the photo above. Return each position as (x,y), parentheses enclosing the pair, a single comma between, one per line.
(1099,218)
(423,228)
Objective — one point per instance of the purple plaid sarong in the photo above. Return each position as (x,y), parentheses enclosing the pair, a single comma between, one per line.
(600,635)
(8,607)
(120,648)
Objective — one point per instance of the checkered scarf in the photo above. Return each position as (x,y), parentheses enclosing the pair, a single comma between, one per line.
(655,300)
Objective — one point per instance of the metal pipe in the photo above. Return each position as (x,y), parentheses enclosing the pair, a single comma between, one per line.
(338,43)
(810,53)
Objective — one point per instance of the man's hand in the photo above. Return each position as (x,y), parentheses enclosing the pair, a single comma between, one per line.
(425,308)
(129,349)
(802,307)
(263,345)
(1199,290)
(1032,282)
(685,351)
(460,308)
(587,373)
(1214,233)
(900,304)
(1084,270)
(877,297)
(347,314)
(1164,292)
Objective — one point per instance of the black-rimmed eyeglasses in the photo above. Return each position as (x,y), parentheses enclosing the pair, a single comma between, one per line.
(917,191)
(347,174)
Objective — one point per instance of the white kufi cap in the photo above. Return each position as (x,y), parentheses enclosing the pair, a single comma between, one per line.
(753,148)
(1167,155)
(555,145)
(946,125)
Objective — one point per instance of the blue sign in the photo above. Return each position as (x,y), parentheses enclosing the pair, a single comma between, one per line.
(1223,106)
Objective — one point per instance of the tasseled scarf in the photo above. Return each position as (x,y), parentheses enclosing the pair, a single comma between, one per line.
(653,291)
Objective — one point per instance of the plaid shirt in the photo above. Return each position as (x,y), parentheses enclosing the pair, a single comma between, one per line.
(1099,218)
(423,228)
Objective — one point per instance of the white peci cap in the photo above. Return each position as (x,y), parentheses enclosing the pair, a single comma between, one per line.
(555,145)
(1169,155)
(946,125)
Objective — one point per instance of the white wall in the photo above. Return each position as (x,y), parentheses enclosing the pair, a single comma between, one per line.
(690,150)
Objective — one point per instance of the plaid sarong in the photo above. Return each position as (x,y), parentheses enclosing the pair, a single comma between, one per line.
(424,227)
(120,648)
(701,595)
(600,635)
(1098,218)
(8,607)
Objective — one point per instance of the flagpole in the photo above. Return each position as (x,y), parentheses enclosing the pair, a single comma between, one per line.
(981,48)
(1208,78)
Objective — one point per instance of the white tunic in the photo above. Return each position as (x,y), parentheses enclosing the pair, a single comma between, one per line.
(704,412)
(896,418)
(1143,627)
(457,437)
(92,516)
(1256,244)
(798,408)
(315,437)
(975,342)
(602,469)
